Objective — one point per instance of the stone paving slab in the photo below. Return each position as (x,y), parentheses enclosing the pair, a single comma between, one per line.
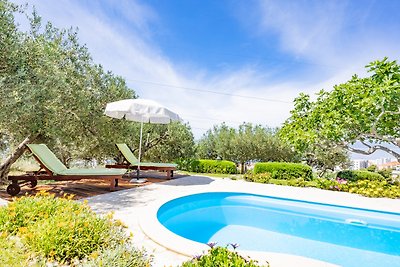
(133,204)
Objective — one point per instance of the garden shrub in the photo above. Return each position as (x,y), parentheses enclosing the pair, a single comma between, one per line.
(266,178)
(217,166)
(28,210)
(190,165)
(367,188)
(353,176)
(207,166)
(220,257)
(284,170)
(60,229)
(387,174)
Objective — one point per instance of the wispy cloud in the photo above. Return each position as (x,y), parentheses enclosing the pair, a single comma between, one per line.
(133,54)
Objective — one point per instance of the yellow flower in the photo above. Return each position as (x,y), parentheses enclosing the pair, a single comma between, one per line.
(23,230)
(94,255)
(52,253)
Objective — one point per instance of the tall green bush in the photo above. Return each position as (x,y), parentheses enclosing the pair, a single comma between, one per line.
(207,166)
(284,170)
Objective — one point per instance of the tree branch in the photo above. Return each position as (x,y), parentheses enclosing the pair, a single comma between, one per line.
(372,149)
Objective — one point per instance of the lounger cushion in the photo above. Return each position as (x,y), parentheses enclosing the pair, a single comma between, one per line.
(49,160)
(128,155)
(97,171)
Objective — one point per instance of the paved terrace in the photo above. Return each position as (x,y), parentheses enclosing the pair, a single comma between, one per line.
(132,205)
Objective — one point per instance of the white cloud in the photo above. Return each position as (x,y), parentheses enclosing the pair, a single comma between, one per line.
(132,54)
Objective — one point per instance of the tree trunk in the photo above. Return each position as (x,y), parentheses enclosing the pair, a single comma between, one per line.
(5,166)
(242,168)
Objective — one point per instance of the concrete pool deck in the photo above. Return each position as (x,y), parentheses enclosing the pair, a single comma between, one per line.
(132,206)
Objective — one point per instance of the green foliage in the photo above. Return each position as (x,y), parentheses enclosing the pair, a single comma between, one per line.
(248,142)
(120,256)
(28,211)
(265,178)
(166,143)
(371,168)
(187,164)
(362,109)
(284,170)
(387,173)
(207,166)
(215,166)
(60,229)
(220,257)
(369,188)
(53,92)
(12,252)
(359,175)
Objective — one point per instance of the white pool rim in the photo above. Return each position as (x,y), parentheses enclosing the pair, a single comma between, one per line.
(150,225)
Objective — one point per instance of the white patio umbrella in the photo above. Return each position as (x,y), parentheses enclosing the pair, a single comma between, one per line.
(143,111)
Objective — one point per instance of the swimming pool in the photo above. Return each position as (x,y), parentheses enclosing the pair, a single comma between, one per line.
(337,234)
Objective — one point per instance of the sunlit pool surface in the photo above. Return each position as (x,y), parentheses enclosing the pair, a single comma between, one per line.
(337,234)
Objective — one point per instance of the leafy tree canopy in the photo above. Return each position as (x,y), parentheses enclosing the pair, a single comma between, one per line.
(363,109)
(53,92)
(247,143)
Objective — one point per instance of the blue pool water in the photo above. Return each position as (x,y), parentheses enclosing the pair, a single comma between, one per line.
(345,236)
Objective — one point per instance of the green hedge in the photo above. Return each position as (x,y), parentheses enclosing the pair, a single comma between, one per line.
(360,175)
(207,166)
(284,170)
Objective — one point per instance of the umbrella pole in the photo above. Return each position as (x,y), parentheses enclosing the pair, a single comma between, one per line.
(140,148)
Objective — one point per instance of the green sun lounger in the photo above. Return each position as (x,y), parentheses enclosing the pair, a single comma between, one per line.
(131,162)
(51,168)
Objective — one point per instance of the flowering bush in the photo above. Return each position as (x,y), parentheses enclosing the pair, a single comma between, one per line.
(60,229)
(221,257)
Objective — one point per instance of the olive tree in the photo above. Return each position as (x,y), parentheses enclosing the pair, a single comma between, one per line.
(51,91)
(247,143)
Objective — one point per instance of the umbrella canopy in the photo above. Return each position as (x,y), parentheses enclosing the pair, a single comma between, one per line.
(141,110)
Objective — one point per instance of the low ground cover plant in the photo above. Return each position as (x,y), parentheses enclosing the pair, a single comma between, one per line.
(371,188)
(65,231)
(221,257)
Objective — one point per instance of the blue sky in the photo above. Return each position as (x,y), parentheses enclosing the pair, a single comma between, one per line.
(231,61)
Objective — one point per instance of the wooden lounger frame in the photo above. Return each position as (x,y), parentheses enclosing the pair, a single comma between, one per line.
(126,165)
(169,170)
(31,178)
